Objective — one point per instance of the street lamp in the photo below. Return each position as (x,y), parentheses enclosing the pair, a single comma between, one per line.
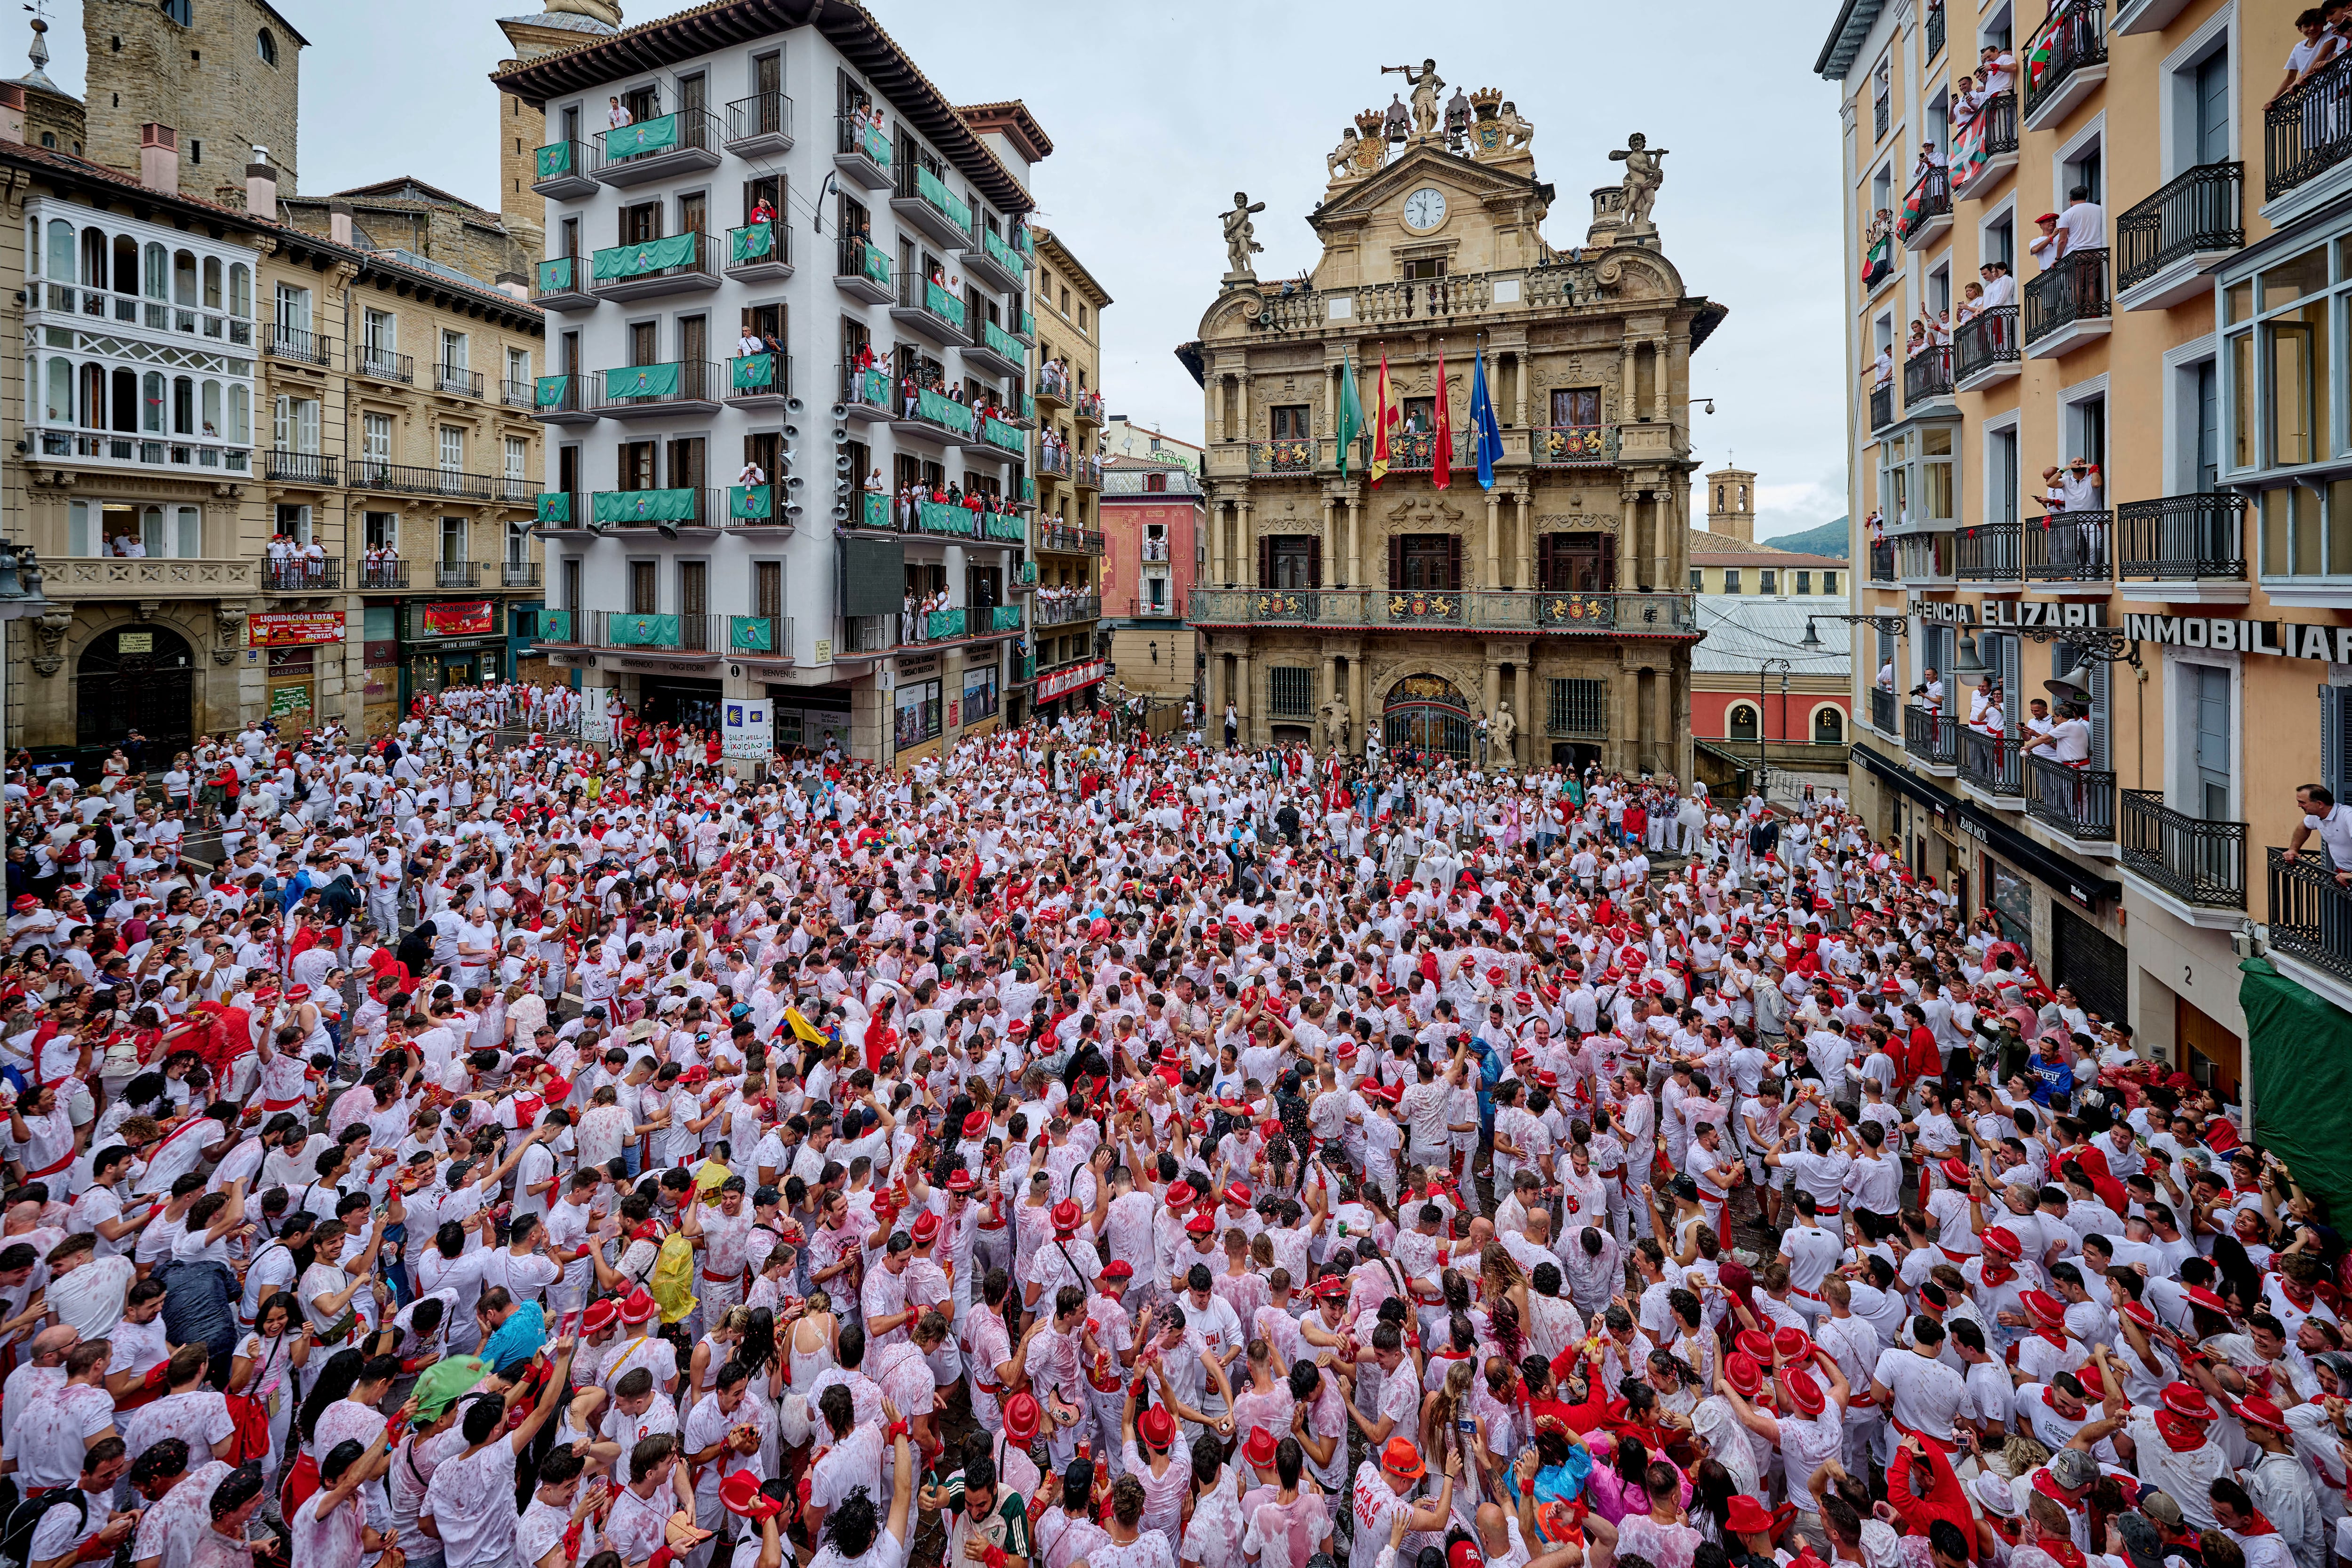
(20,597)
(1763,768)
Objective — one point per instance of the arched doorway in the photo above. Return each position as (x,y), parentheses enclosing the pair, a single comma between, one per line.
(1427,713)
(137,677)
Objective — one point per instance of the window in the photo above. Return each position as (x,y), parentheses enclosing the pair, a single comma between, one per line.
(1581,563)
(1829,728)
(453,349)
(1767,581)
(126,528)
(1578,706)
(1424,268)
(267,47)
(2001,476)
(1576,405)
(1698,581)
(518,544)
(453,449)
(381,529)
(295,425)
(517,458)
(1290,691)
(1804,581)
(518,367)
(1741,722)
(294,522)
(456,540)
(1292,563)
(1731,579)
(1425,561)
(1828,582)
(293,318)
(1289,422)
(375,444)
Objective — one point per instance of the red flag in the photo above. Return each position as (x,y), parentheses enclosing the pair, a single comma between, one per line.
(1440,473)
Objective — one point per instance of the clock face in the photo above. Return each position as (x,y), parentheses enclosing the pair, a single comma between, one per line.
(1425,208)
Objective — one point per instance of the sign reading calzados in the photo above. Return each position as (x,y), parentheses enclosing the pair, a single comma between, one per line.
(2289,639)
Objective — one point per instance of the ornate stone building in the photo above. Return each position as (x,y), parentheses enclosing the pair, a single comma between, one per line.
(1557,593)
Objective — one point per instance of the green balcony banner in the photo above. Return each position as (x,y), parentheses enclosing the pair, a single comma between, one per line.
(877,146)
(641,631)
(935,191)
(755,371)
(874,389)
(943,303)
(944,624)
(877,510)
(1002,434)
(557,274)
(1004,618)
(555,159)
(644,506)
(999,339)
(2299,1069)
(940,517)
(751,634)
(631,140)
(940,409)
(642,381)
(876,265)
(555,505)
(555,626)
(750,501)
(552,390)
(754,243)
(1003,254)
(646,256)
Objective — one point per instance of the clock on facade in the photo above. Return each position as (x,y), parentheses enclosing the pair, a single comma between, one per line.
(1425,208)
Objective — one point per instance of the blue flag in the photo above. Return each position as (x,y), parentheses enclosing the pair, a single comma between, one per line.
(1486,437)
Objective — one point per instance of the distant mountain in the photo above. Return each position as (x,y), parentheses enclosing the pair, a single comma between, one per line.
(1829,538)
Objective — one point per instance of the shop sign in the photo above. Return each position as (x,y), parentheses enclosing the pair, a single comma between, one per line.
(292,629)
(1078,677)
(467,617)
(2224,634)
(1950,612)
(289,700)
(926,665)
(134,642)
(2034,613)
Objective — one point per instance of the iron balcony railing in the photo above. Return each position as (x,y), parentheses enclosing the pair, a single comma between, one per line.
(1882,113)
(1065,540)
(1934,31)
(1061,612)
(749,247)
(2077,802)
(1882,562)
(764,115)
(1991,763)
(857,135)
(1881,711)
(659,510)
(1928,200)
(655,633)
(1476,609)
(2074,289)
(1052,385)
(2182,539)
(560,277)
(2196,861)
(1415,451)
(519,394)
(860,257)
(298,575)
(2197,213)
(1992,134)
(371,576)
(300,468)
(1086,473)
(702,260)
(299,344)
(915,183)
(457,573)
(1923,557)
(1988,553)
(1089,407)
(2069,547)
(2075,42)
(694,129)
(518,574)
(2307,130)
(870,387)
(1053,463)
(407,479)
(569,393)
(382,364)
(559,163)
(935,302)
(1983,341)
(458,381)
(1927,374)
(695,381)
(1882,406)
(2311,914)
(1146,609)
(1930,736)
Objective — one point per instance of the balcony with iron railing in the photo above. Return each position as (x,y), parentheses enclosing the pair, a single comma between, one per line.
(862,269)
(2184,541)
(1086,473)
(1927,376)
(1883,712)
(867,392)
(927,308)
(1989,555)
(1984,148)
(1882,405)
(678,263)
(564,512)
(936,418)
(1060,612)
(380,576)
(2078,804)
(759,125)
(1924,560)
(1143,609)
(1992,764)
(518,573)
(861,151)
(1064,539)
(299,345)
(2310,912)
(565,399)
(2307,132)
(1052,389)
(2068,305)
(1932,737)
(1475,609)
(993,263)
(561,171)
(457,573)
(760,381)
(682,141)
(922,200)
(1935,30)
(1882,115)
(561,283)
(456,381)
(181,318)
(1089,407)
(768,506)
(759,252)
(413,479)
(1572,445)
(314,469)
(2067,65)
(650,390)
(301,575)
(1927,208)
(2164,246)
(991,350)
(649,634)
(1054,462)
(1882,562)
(1984,349)
(1415,451)
(384,365)
(2070,547)
(1286,455)
(2197,862)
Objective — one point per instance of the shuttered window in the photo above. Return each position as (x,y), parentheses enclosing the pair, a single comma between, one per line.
(2335,741)
(1579,706)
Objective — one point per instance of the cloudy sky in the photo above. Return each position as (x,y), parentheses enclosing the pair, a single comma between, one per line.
(1160,111)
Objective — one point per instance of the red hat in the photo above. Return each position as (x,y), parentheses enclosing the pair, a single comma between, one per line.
(2001,1242)
(1755,1343)
(1793,1344)
(1462,1554)
(1180,1194)
(2261,1412)
(1805,1390)
(2180,1434)
(2042,1305)
(976,1124)
(1547,1079)
(1741,1371)
(598,1316)
(926,1229)
(961,1181)
(1495,975)
(1065,1217)
(1330,1288)
(1238,1193)
(1021,1415)
(1200,1225)
(2139,1312)
(298,993)
(1258,1448)
(2093,1384)
(2188,1401)
(1748,1516)
(1116,1270)
(1018,1027)
(1401,1460)
(638,1308)
(1955,1171)
(1156,1427)
(2199,1296)
(740,1495)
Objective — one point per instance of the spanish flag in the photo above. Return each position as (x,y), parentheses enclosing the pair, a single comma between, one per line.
(803,1027)
(1383,416)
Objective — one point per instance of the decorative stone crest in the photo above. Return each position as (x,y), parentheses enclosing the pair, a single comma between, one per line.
(49,633)
(228,622)
(1426,510)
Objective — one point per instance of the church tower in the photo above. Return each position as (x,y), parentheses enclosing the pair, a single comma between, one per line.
(1731,504)
(224,74)
(522,130)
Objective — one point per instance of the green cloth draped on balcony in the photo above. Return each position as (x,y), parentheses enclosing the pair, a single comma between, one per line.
(555,626)
(646,256)
(552,390)
(754,371)
(754,243)
(1023,243)
(944,624)
(1029,489)
(561,273)
(1004,618)
(641,631)
(644,506)
(1003,254)
(943,303)
(1004,528)
(555,505)
(1028,408)
(999,434)
(934,190)
(554,159)
(2299,1067)
(877,510)
(940,409)
(1028,328)
(648,136)
(943,517)
(874,264)
(642,381)
(997,337)
(750,501)
(751,634)
(873,388)
(877,146)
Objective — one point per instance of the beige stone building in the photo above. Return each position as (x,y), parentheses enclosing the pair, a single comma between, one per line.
(1558,591)
(1067,304)
(224,73)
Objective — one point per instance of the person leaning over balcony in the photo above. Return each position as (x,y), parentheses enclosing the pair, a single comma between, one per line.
(2312,24)
(1972,303)
(618,115)
(2043,247)
(2335,36)
(2084,225)
(1999,287)
(1882,368)
(2333,822)
(2068,740)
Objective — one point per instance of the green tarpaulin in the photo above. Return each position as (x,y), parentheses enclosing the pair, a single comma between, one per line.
(755,370)
(943,303)
(644,506)
(754,243)
(877,146)
(944,624)
(874,389)
(751,500)
(1004,618)
(875,264)
(999,339)
(554,160)
(877,510)
(551,390)
(642,381)
(1003,254)
(641,631)
(1002,434)
(555,505)
(646,256)
(940,517)
(751,634)
(557,274)
(555,626)
(940,409)
(934,190)
(652,136)
(2299,1057)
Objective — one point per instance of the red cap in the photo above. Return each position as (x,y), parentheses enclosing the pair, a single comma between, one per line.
(1118,1268)
(2001,1242)
(740,1495)
(2042,1305)
(1200,1225)
(2262,1413)
(1805,1390)
(976,1124)
(926,1229)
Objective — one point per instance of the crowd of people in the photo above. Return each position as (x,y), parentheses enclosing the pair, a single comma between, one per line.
(1085,1150)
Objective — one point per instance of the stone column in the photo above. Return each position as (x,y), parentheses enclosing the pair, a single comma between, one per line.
(1645,752)
(1494,541)
(1243,689)
(1215,698)
(1629,536)
(1242,402)
(1334,564)
(1330,689)
(1624,716)
(1245,542)
(1525,524)
(1356,544)
(1355,708)
(1628,386)
(1494,691)
(1662,354)
(1217,407)
(1663,516)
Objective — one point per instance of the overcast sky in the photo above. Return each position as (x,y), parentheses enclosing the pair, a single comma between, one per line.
(1160,111)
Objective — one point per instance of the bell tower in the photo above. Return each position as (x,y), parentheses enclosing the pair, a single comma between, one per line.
(522,130)
(1731,504)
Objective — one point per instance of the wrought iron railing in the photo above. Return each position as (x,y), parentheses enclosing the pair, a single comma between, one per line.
(562,277)
(863,259)
(914,182)
(1053,385)
(860,135)
(764,114)
(2077,802)
(2199,862)
(2311,913)
(519,394)
(1983,341)
(2182,539)
(300,468)
(695,381)
(1991,134)
(457,573)
(2075,42)
(299,344)
(1928,200)
(301,575)
(1988,553)
(2074,289)
(1066,539)
(518,573)
(1882,113)
(414,480)
(1991,763)
(1930,736)
(560,161)
(2069,547)
(1489,609)
(653,633)
(1927,374)
(935,303)
(1934,31)
(1881,711)
(382,364)
(2195,213)
(1285,455)
(1052,611)
(702,259)
(458,381)
(373,576)
(1572,446)
(2307,130)
(1882,406)
(693,130)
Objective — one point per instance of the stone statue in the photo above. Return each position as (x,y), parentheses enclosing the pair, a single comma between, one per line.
(1339,163)
(1520,132)
(1425,84)
(1644,176)
(1504,727)
(1335,724)
(1241,237)
(605,11)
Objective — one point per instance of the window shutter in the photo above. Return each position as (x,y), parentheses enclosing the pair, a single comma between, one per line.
(2336,740)
(1315,563)
(2096,681)
(1265,561)
(307,432)
(1454,560)
(2012,654)
(280,424)
(1608,563)
(1396,560)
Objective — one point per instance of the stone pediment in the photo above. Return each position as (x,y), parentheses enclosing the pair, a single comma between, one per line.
(1421,165)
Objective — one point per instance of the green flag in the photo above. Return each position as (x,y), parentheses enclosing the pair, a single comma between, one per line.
(1351,412)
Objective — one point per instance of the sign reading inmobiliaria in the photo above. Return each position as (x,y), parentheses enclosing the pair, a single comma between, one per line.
(2222,634)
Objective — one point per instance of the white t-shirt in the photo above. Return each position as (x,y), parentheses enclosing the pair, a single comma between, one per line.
(2334,830)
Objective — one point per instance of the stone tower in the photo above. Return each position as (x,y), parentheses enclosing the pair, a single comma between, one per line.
(1731,504)
(522,130)
(226,74)
(53,117)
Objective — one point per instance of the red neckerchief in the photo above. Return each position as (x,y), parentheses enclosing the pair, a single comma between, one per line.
(2258,1526)
(2047,1485)
(1996,1274)
(2066,1552)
